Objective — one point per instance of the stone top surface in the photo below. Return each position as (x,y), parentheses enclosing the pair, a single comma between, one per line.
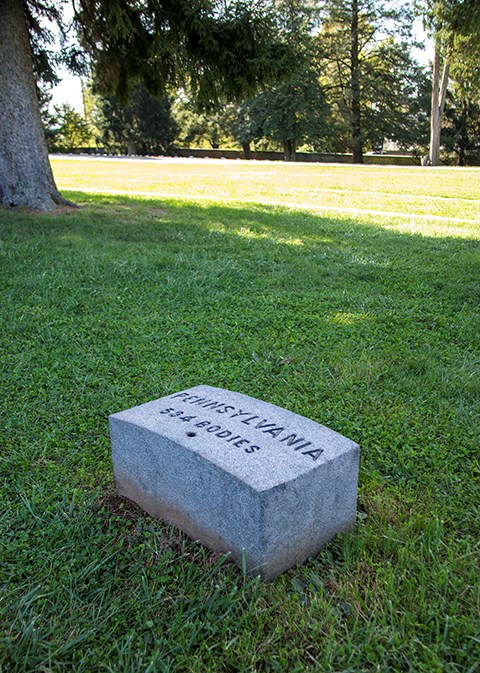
(261,444)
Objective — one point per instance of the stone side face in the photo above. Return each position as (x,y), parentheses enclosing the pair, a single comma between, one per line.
(172,482)
(237,474)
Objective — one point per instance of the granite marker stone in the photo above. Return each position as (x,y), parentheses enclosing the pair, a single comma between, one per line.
(237,474)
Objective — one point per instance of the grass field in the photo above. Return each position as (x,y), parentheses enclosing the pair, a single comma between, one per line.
(350,295)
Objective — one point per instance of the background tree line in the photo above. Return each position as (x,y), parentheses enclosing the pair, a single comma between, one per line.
(355,87)
(320,74)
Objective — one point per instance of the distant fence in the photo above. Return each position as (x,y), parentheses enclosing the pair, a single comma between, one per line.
(392,159)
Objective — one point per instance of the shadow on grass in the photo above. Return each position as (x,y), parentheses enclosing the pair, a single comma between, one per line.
(372,331)
(274,241)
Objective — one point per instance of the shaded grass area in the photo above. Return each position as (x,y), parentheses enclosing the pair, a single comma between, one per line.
(369,330)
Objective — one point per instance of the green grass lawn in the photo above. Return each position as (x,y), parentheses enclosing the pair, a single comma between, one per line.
(350,295)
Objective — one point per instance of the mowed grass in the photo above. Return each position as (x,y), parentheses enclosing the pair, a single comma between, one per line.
(404,191)
(364,321)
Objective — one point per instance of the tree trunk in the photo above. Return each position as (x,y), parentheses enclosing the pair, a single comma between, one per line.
(355,110)
(26,177)
(463,140)
(290,150)
(247,152)
(132,147)
(439,94)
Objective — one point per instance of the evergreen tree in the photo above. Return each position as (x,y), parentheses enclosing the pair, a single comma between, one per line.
(217,46)
(293,111)
(144,126)
(462,130)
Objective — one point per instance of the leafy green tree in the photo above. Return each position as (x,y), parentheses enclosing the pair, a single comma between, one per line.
(449,22)
(212,128)
(368,73)
(144,126)
(70,129)
(461,132)
(395,98)
(293,111)
(289,114)
(216,46)
(461,127)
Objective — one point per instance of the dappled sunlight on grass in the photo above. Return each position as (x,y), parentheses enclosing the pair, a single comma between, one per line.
(427,227)
(345,318)
(245,232)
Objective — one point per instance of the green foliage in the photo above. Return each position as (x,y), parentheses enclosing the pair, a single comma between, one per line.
(50,41)
(465,16)
(291,113)
(367,323)
(199,129)
(42,39)
(68,129)
(219,51)
(145,125)
(465,70)
(230,48)
(455,25)
(457,17)
(396,97)
(371,80)
(461,133)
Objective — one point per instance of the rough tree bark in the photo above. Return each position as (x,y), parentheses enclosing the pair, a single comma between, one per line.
(26,177)
(355,109)
(439,94)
